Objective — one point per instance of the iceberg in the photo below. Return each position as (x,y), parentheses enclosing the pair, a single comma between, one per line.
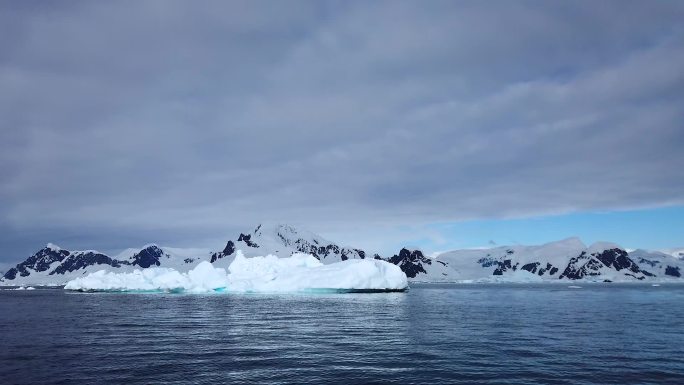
(201,279)
(24,288)
(268,274)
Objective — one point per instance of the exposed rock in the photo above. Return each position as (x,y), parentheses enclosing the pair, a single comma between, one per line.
(148,256)
(672,271)
(590,265)
(247,239)
(84,259)
(411,262)
(40,261)
(618,259)
(228,250)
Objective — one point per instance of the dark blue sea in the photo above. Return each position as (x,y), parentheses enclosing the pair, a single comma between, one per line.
(432,334)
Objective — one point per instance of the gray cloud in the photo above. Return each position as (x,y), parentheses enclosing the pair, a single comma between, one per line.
(130,122)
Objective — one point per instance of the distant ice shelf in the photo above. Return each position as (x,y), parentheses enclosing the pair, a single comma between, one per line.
(264,274)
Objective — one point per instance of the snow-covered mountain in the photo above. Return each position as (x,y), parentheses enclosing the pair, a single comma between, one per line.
(284,240)
(658,263)
(568,259)
(564,260)
(55,266)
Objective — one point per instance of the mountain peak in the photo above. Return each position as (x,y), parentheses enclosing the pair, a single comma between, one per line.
(274,228)
(601,246)
(285,233)
(52,246)
(150,255)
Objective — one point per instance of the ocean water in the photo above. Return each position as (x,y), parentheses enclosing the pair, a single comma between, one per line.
(510,334)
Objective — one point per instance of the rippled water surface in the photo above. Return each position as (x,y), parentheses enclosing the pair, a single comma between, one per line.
(431,334)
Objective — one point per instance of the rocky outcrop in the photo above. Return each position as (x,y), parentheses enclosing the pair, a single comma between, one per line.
(147,257)
(81,260)
(247,240)
(228,250)
(673,271)
(411,263)
(595,264)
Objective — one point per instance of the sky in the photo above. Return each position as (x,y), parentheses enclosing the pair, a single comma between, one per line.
(375,124)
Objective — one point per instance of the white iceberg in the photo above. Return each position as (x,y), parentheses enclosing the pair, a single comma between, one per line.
(203,278)
(23,288)
(269,274)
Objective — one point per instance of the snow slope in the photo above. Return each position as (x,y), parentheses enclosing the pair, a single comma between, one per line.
(676,252)
(568,259)
(497,264)
(660,264)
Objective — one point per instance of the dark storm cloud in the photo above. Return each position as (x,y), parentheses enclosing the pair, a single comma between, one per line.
(182,122)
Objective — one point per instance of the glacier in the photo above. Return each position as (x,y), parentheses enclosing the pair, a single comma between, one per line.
(260,274)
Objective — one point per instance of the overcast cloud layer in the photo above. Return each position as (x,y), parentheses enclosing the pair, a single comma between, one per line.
(184,122)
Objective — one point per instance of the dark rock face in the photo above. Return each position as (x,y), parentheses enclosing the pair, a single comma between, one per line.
(81,260)
(228,250)
(488,261)
(46,257)
(11,273)
(549,267)
(535,268)
(590,265)
(39,261)
(500,265)
(247,239)
(618,259)
(147,257)
(42,260)
(411,262)
(672,271)
(505,265)
(531,267)
(581,266)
